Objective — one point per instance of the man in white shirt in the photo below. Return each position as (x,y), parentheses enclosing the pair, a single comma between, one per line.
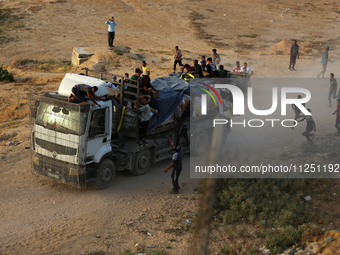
(111,30)
(216,57)
(144,120)
(248,72)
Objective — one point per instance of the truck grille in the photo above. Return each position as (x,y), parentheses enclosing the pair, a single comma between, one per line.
(52,147)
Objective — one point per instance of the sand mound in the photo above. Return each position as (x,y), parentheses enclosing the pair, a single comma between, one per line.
(111,60)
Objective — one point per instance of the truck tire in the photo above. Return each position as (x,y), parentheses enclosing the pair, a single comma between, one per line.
(105,174)
(199,142)
(142,162)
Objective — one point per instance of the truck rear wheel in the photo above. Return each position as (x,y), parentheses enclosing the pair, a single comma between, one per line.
(105,174)
(199,142)
(142,162)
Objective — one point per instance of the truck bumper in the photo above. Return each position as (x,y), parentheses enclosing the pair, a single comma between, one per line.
(74,175)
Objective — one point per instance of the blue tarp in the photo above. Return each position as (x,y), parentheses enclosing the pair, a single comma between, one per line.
(171,91)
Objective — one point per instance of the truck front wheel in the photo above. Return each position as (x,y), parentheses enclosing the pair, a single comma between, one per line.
(142,162)
(105,174)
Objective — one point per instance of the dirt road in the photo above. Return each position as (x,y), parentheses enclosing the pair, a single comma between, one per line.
(40,217)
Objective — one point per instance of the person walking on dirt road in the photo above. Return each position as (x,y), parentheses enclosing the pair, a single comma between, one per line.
(176,166)
(337,120)
(310,126)
(332,89)
(178,58)
(324,62)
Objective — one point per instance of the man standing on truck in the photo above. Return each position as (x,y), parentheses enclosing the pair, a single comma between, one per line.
(79,91)
(185,123)
(146,115)
(176,167)
(111,30)
(216,57)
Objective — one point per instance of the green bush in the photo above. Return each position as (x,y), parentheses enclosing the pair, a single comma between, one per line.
(5,75)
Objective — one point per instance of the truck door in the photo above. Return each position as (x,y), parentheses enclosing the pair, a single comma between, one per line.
(98,142)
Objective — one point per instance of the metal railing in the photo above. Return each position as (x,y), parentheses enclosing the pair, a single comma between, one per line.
(124,81)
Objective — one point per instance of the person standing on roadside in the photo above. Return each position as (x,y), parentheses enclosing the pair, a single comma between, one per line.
(294,53)
(324,62)
(176,166)
(178,58)
(337,120)
(332,89)
(111,30)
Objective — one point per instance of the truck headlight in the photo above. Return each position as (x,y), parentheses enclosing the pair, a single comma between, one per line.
(36,160)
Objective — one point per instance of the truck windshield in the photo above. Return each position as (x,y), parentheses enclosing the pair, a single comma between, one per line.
(62,119)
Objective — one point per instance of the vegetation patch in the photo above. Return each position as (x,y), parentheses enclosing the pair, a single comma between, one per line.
(273,205)
(8,22)
(51,65)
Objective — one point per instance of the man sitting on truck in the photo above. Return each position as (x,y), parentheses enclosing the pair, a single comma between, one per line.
(146,115)
(134,77)
(79,91)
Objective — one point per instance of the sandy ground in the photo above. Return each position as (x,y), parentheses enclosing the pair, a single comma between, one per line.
(41,217)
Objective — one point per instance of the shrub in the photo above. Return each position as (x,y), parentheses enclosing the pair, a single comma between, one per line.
(5,75)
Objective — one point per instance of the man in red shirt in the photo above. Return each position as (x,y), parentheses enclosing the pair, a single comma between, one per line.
(337,120)
(237,68)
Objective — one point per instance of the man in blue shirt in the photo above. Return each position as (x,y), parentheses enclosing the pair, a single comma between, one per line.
(324,62)
(176,167)
(111,30)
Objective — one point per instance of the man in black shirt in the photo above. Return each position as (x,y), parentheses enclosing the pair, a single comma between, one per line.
(185,123)
(294,52)
(197,69)
(297,110)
